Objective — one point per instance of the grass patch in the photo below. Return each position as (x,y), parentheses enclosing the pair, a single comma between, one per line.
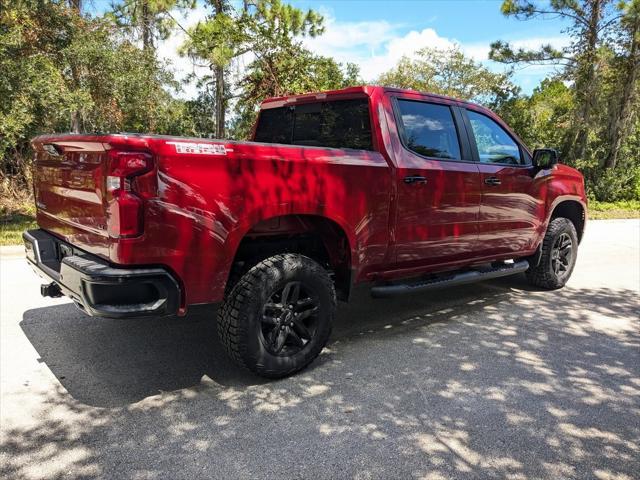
(610,210)
(12,226)
(17,214)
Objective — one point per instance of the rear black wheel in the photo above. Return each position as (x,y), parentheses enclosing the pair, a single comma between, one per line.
(277,318)
(559,254)
(289,319)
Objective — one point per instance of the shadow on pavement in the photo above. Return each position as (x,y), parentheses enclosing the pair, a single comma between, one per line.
(111,362)
(471,382)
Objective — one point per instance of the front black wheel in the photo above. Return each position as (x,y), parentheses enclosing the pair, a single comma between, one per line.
(277,318)
(559,254)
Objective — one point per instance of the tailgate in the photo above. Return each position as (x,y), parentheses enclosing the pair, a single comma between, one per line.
(69,185)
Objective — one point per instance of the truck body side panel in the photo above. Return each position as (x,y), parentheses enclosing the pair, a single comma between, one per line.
(210,193)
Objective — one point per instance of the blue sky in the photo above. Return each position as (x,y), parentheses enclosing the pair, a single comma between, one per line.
(375,34)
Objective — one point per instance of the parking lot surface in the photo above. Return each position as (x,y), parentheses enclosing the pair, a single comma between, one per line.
(492,380)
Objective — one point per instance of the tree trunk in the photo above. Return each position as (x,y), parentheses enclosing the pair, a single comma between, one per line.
(586,84)
(619,122)
(218,5)
(74,124)
(220,103)
(147,40)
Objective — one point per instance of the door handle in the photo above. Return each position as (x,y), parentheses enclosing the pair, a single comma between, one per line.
(492,181)
(415,179)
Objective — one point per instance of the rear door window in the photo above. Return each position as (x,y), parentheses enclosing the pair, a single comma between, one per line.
(428,129)
(336,124)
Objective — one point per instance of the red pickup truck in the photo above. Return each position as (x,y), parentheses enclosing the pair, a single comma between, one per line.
(404,190)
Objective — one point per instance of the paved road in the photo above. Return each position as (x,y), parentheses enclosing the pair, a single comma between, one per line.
(492,380)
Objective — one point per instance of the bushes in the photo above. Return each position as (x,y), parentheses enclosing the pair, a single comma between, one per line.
(62,71)
(613,185)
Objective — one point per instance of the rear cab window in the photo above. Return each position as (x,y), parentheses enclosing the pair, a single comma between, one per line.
(333,124)
(428,129)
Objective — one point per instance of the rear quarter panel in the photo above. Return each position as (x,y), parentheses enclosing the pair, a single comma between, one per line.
(207,203)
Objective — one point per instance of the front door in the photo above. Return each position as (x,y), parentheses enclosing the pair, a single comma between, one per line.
(510,204)
(439,186)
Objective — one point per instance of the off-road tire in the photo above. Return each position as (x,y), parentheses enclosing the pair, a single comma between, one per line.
(240,315)
(543,275)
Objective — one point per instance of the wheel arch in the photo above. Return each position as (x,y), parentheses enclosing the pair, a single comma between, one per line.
(572,209)
(319,237)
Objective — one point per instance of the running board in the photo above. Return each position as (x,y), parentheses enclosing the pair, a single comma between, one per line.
(462,278)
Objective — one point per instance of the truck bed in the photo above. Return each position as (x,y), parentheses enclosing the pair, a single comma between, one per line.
(203,195)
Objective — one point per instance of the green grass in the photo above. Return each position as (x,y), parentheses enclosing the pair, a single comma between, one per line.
(12,226)
(609,210)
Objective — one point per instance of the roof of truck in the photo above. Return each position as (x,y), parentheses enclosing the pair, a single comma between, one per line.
(361,89)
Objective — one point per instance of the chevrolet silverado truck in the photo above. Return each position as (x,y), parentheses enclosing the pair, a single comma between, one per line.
(401,190)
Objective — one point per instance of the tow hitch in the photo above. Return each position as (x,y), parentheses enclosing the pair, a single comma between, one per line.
(51,290)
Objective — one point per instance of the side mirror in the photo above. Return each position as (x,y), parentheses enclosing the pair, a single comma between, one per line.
(545,158)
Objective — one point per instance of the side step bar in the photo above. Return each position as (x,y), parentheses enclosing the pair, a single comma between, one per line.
(462,278)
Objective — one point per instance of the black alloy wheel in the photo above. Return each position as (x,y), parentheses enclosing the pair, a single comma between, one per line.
(562,255)
(289,319)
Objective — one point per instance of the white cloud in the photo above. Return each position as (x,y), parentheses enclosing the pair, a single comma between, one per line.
(375,46)
(343,36)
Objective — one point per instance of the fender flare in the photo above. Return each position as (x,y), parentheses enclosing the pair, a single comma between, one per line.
(252,218)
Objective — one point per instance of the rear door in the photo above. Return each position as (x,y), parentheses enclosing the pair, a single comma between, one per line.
(508,218)
(438,185)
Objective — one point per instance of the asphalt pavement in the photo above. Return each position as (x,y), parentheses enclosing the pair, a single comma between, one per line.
(491,380)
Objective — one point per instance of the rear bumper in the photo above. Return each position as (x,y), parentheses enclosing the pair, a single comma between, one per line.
(96,287)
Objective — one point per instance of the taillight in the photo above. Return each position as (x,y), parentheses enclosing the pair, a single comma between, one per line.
(125,207)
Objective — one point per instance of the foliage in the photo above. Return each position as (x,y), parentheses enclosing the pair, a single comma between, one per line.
(596,108)
(263,29)
(541,118)
(65,70)
(58,66)
(12,226)
(450,72)
(147,20)
(287,72)
(581,59)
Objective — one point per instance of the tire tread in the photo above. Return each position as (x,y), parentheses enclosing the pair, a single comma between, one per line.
(541,275)
(231,329)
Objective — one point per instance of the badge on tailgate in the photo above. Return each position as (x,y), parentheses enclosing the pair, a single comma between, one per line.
(200,148)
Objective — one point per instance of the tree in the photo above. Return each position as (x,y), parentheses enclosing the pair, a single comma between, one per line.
(589,19)
(449,72)
(260,28)
(287,72)
(216,42)
(541,118)
(624,100)
(148,20)
(56,62)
